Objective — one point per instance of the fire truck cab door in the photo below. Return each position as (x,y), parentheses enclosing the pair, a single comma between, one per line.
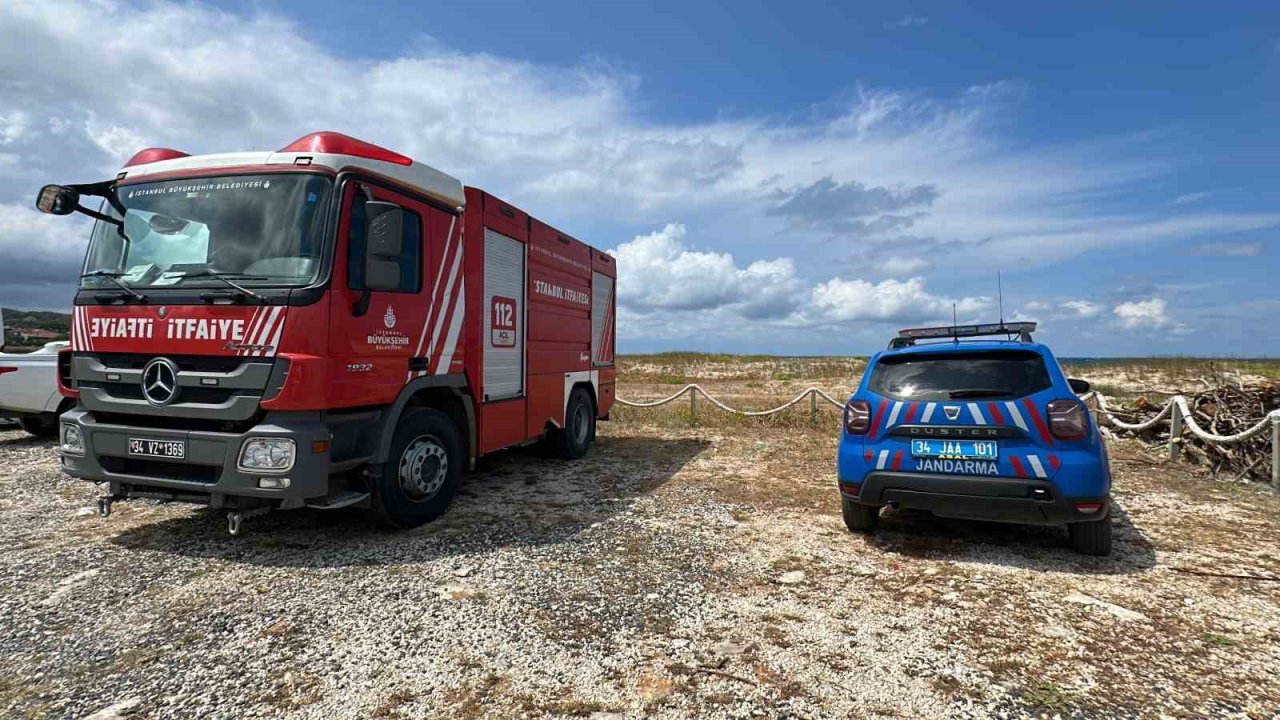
(376,353)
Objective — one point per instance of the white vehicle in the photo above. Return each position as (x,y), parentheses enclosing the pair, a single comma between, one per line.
(29,389)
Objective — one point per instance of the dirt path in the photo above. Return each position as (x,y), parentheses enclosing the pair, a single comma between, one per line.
(673,573)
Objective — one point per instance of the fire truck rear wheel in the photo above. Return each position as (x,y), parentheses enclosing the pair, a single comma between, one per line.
(579,425)
(422,471)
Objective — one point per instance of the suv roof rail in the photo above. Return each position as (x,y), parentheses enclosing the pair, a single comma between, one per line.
(908,336)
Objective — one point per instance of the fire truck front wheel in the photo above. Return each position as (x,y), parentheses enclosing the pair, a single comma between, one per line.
(422,471)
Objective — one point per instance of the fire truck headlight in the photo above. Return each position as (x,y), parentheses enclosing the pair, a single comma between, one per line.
(72,440)
(267,454)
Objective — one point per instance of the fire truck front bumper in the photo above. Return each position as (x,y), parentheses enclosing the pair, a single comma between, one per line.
(284,458)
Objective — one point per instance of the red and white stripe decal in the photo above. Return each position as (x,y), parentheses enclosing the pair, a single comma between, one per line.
(433,306)
(893,415)
(251,329)
(264,330)
(606,332)
(875,421)
(441,304)
(994,410)
(450,344)
(884,457)
(976,412)
(897,459)
(928,412)
(1036,466)
(84,325)
(1016,415)
(1017,466)
(1035,417)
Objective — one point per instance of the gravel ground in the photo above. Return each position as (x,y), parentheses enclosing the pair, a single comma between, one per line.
(672,573)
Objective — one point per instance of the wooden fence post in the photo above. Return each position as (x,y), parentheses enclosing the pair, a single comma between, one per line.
(1275,452)
(813,407)
(693,404)
(1175,430)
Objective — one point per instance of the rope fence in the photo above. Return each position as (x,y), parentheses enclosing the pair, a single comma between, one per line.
(1180,418)
(1176,411)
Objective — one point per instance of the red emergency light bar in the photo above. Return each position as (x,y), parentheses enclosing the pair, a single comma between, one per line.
(908,336)
(150,155)
(339,144)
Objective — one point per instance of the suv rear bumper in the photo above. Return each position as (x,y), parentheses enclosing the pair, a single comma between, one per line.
(1030,502)
(210,472)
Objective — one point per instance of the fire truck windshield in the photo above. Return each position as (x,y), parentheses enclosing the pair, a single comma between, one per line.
(260,230)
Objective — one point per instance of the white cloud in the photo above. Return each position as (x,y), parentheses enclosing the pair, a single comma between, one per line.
(907,21)
(897,265)
(663,274)
(1230,249)
(1186,198)
(840,300)
(1082,308)
(13,126)
(673,288)
(1142,314)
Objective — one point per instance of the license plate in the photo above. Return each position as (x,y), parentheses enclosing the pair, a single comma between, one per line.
(168,449)
(955,449)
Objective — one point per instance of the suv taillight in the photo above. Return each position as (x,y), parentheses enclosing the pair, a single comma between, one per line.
(857,417)
(1068,419)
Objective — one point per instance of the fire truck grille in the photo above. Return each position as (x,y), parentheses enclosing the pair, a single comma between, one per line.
(209,388)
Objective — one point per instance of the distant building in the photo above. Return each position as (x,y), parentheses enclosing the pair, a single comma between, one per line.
(39,334)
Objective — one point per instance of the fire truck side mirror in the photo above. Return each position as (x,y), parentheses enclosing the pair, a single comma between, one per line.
(57,200)
(384,233)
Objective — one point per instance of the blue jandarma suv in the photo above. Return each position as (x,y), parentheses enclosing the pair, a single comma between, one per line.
(977,429)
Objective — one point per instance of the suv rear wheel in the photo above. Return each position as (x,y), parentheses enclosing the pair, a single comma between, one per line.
(1091,538)
(859,517)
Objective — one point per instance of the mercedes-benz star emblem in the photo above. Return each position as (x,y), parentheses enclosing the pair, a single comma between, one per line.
(160,381)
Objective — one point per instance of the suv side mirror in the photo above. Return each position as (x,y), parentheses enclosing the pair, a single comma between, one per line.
(1079,387)
(384,237)
(57,200)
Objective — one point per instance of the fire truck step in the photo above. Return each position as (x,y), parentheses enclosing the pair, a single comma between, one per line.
(341,500)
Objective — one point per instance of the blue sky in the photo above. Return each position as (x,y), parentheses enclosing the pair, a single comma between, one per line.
(775,177)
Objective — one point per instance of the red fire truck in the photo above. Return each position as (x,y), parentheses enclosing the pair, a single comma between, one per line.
(330,325)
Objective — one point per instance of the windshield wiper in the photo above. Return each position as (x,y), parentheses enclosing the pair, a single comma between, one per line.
(976,393)
(114,277)
(226,278)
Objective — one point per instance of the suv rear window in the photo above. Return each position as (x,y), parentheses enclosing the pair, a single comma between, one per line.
(956,376)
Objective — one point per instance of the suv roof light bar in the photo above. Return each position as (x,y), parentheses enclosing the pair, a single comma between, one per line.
(909,336)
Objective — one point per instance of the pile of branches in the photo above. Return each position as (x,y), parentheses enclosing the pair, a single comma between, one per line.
(1224,407)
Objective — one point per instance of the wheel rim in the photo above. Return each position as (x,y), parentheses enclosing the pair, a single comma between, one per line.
(581,424)
(424,464)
